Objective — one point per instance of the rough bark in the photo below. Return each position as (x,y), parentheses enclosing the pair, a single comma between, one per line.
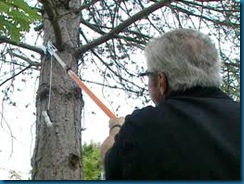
(57,149)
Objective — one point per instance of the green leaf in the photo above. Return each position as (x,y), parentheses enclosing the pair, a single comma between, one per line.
(32,13)
(3,7)
(16,17)
(20,18)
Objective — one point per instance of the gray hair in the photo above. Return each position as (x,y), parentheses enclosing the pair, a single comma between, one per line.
(187,57)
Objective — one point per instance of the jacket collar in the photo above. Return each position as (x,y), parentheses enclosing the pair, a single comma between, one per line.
(198,91)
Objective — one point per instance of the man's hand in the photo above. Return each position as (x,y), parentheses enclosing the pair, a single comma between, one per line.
(114,126)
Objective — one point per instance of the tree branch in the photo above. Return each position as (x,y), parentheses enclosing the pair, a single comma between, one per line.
(121,27)
(113,87)
(13,76)
(216,21)
(53,18)
(126,38)
(84,6)
(32,63)
(4,39)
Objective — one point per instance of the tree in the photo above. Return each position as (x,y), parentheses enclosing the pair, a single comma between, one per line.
(102,37)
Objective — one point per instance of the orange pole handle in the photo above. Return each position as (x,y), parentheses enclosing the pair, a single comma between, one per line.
(89,92)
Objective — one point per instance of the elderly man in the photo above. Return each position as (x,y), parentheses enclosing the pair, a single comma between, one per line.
(194,130)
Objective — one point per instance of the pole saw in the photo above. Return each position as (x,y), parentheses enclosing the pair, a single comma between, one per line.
(51,49)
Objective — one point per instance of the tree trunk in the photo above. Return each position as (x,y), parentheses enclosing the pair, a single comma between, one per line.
(57,153)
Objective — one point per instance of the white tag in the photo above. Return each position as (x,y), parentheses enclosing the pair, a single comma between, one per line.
(46,118)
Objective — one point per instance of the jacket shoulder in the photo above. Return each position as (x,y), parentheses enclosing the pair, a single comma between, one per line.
(142,115)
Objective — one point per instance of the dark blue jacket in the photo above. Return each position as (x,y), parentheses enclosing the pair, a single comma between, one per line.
(191,135)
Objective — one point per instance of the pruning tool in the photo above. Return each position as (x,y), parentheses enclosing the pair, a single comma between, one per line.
(51,49)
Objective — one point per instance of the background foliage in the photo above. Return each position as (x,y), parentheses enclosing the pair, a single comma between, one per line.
(91,161)
(16,18)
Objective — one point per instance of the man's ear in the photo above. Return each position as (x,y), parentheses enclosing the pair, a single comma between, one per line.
(163,85)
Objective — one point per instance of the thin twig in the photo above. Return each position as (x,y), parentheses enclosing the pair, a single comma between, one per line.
(15,75)
(121,27)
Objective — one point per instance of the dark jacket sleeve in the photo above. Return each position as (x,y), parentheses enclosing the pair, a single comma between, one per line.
(118,160)
(112,162)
